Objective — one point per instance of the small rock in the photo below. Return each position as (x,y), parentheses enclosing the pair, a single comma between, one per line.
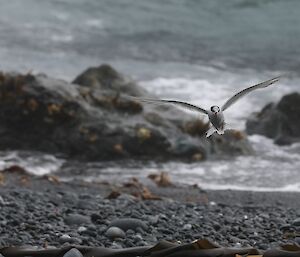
(212,203)
(264,216)
(73,253)
(137,238)
(187,227)
(77,219)
(84,204)
(229,220)
(285,227)
(115,232)
(115,245)
(238,245)
(296,222)
(153,219)
(65,239)
(128,223)
(216,226)
(81,229)
(130,232)
(2,202)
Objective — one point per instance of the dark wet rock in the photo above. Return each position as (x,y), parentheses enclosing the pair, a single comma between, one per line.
(77,219)
(94,119)
(115,232)
(280,121)
(106,78)
(129,223)
(73,253)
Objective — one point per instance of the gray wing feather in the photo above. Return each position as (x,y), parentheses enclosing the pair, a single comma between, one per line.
(240,94)
(173,102)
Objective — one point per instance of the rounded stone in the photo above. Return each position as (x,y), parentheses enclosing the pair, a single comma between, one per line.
(187,227)
(73,253)
(296,222)
(115,232)
(65,239)
(81,229)
(77,219)
(129,223)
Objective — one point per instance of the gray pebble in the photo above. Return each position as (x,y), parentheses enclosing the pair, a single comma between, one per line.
(81,229)
(130,232)
(77,219)
(296,222)
(115,232)
(153,219)
(187,227)
(2,202)
(65,239)
(84,204)
(285,227)
(116,245)
(73,253)
(137,238)
(129,223)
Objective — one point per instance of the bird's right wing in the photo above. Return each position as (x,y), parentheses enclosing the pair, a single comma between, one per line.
(183,105)
(240,94)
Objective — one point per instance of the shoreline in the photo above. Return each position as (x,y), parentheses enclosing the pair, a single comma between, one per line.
(21,180)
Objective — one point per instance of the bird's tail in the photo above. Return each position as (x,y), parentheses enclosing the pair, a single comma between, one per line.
(210,131)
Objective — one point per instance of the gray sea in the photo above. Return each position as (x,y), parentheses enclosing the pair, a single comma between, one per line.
(193,50)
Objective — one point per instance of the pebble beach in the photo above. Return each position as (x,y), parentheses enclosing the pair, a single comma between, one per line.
(42,212)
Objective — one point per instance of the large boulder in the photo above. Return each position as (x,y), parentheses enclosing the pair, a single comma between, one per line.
(92,118)
(280,121)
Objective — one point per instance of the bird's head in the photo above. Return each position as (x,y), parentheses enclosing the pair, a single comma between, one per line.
(215,109)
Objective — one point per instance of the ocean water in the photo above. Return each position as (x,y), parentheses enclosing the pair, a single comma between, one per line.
(193,50)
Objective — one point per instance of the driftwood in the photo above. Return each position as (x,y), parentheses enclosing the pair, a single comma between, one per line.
(199,248)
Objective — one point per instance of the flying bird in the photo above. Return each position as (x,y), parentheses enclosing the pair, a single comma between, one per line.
(215,113)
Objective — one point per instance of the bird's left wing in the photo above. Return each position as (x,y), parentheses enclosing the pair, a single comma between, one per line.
(240,94)
(183,105)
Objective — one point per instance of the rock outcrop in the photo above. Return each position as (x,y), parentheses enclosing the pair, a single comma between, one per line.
(93,119)
(280,121)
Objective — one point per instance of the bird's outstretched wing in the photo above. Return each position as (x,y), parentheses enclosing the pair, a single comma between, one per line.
(173,102)
(240,94)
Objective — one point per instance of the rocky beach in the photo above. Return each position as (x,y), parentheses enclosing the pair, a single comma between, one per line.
(46,213)
(87,169)
(71,119)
